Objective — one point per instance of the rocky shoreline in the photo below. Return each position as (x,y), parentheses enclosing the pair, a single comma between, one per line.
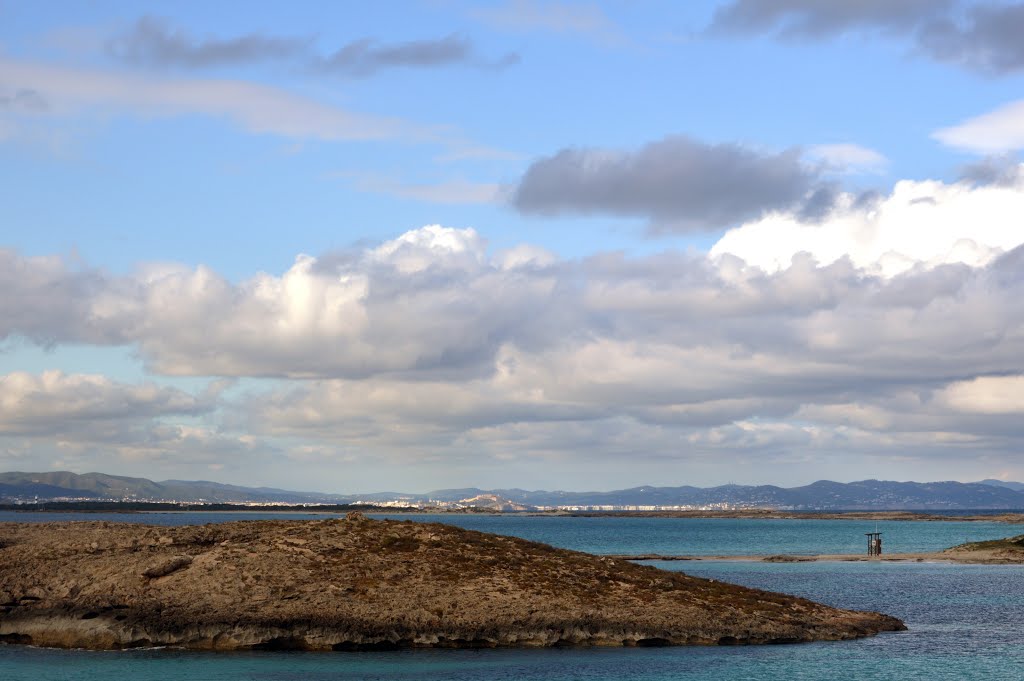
(358,584)
(1008,551)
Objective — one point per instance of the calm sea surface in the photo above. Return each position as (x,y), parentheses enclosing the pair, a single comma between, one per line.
(964,620)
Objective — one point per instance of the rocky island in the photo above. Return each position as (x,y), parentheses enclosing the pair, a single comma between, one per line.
(357,584)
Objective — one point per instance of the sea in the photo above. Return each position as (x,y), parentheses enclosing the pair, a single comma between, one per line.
(965,621)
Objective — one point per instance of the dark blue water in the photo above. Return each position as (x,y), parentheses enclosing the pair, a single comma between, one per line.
(964,621)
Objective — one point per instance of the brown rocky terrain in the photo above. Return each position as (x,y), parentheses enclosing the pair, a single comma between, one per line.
(1009,550)
(364,584)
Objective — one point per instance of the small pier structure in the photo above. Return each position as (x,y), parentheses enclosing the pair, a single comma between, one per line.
(874,543)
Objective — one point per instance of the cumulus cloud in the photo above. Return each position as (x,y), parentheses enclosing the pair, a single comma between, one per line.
(427,301)
(679,183)
(982,36)
(927,222)
(53,400)
(987,395)
(153,41)
(90,422)
(430,347)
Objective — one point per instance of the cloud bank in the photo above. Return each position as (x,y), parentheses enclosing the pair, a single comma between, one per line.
(889,328)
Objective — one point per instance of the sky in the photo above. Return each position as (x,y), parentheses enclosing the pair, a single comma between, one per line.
(551,245)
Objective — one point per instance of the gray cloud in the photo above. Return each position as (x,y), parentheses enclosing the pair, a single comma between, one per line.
(41,290)
(88,421)
(434,306)
(23,100)
(983,36)
(54,401)
(1002,171)
(673,354)
(679,183)
(819,203)
(366,56)
(152,41)
(988,39)
(817,19)
(136,447)
(155,42)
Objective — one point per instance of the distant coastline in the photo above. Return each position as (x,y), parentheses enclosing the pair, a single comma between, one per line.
(826,496)
(996,516)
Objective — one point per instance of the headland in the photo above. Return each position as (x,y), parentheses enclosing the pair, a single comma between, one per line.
(357,583)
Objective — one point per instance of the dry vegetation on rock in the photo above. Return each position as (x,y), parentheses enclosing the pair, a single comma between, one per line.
(365,584)
(1009,550)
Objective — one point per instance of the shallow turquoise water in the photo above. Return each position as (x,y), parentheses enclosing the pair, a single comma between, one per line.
(727,536)
(964,622)
(666,536)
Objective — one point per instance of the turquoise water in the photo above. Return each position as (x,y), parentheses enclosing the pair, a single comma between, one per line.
(727,536)
(963,619)
(666,536)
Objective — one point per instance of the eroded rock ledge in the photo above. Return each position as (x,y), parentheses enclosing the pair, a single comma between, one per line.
(368,584)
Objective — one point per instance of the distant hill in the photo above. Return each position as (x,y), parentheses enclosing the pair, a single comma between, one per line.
(17,486)
(821,495)
(824,495)
(1015,486)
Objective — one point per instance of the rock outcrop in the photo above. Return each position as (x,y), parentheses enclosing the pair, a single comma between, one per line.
(1009,550)
(368,584)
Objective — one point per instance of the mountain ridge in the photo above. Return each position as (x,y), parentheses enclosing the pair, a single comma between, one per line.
(820,495)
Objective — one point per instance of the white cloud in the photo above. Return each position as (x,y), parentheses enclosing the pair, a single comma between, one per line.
(255,108)
(848,157)
(430,300)
(54,400)
(987,395)
(920,223)
(89,422)
(994,132)
(430,348)
(431,246)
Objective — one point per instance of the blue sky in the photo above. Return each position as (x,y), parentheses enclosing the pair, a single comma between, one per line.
(542,244)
